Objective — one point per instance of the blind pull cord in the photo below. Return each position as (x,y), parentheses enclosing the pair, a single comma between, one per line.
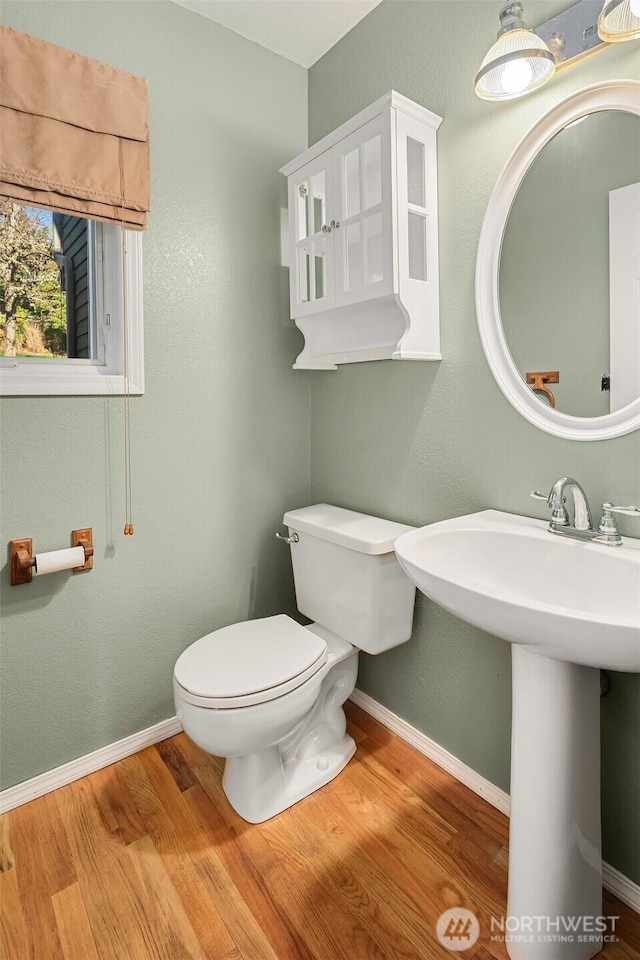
(128,508)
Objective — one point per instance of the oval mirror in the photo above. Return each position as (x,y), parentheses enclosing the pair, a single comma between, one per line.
(558,270)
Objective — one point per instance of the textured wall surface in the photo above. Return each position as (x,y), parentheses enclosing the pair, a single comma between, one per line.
(419,442)
(221,438)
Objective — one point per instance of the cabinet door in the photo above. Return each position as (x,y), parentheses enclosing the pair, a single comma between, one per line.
(363,236)
(311,247)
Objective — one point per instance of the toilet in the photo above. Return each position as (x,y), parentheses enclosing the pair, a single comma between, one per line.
(267,694)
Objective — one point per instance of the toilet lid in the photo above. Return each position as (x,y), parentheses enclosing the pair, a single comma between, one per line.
(250,662)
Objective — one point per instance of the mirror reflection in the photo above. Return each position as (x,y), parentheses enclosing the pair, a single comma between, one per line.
(569,279)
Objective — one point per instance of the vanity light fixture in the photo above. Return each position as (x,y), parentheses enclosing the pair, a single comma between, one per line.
(521,60)
(517,63)
(619,20)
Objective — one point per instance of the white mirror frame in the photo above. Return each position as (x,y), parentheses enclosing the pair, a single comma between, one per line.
(611,95)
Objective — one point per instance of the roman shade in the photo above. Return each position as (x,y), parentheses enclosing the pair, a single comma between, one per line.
(74,133)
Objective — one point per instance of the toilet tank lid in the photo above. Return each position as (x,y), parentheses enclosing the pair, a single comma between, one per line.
(347,528)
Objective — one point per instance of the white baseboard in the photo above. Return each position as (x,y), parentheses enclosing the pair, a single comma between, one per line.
(613,881)
(76,769)
(621,886)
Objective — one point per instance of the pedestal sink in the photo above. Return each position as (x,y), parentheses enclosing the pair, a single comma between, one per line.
(569,608)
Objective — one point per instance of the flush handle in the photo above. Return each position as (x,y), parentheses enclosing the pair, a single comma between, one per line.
(292,539)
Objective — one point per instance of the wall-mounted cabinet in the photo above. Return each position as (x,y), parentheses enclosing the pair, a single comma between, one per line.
(363,229)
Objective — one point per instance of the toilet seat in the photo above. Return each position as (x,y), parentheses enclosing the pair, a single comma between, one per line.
(248,663)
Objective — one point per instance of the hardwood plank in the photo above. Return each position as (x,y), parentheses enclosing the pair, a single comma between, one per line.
(44,866)
(501,858)
(14,942)
(348,882)
(174,936)
(380,822)
(454,802)
(347,852)
(176,765)
(228,838)
(628,923)
(50,855)
(423,822)
(117,805)
(7,861)
(319,930)
(422,876)
(352,713)
(117,907)
(73,924)
(177,837)
(243,926)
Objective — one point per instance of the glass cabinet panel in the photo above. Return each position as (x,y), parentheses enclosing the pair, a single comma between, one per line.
(311,206)
(351,184)
(373,252)
(302,222)
(363,238)
(318,201)
(303,274)
(311,269)
(372,173)
(355,256)
(417,246)
(312,278)
(415,172)
(416,223)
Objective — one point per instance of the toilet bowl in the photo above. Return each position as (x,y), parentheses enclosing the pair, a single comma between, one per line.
(267,694)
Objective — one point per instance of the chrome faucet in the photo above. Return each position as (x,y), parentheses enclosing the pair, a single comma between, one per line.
(582,526)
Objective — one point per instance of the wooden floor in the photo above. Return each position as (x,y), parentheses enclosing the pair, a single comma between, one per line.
(146,860)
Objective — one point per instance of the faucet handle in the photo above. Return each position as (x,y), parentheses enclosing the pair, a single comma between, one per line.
(559,517)
(537,495)
(628,511)
(607,529)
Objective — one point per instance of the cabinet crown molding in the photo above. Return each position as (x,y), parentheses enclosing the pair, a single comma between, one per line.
(391,99)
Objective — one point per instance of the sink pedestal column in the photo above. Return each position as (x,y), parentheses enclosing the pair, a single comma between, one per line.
(555,860)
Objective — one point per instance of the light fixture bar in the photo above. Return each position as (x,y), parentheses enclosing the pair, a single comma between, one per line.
(574,33)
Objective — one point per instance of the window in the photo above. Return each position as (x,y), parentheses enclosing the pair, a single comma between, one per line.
(62,290)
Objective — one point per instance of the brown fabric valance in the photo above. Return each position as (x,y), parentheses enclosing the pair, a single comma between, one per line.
(74,133)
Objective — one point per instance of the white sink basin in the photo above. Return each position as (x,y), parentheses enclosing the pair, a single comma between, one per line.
(568,607)
(566,599)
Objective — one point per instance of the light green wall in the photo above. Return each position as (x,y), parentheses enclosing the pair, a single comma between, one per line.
(554,267)
(221,438)
(423,441)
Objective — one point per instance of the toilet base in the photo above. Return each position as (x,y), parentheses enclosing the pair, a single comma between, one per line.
(260,786)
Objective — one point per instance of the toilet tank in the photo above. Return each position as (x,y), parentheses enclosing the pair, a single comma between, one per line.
(347,577)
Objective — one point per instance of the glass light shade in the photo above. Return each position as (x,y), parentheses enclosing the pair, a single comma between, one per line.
(517,63)
(619,20)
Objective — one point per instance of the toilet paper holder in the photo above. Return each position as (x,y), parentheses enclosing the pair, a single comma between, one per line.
(23,559)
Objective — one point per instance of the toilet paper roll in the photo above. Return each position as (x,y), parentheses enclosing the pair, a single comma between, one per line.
(59,560)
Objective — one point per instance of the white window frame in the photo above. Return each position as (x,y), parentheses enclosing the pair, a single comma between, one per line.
(44,377)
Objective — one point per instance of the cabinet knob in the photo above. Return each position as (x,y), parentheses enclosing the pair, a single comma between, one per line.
(325,228)
(336,224)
